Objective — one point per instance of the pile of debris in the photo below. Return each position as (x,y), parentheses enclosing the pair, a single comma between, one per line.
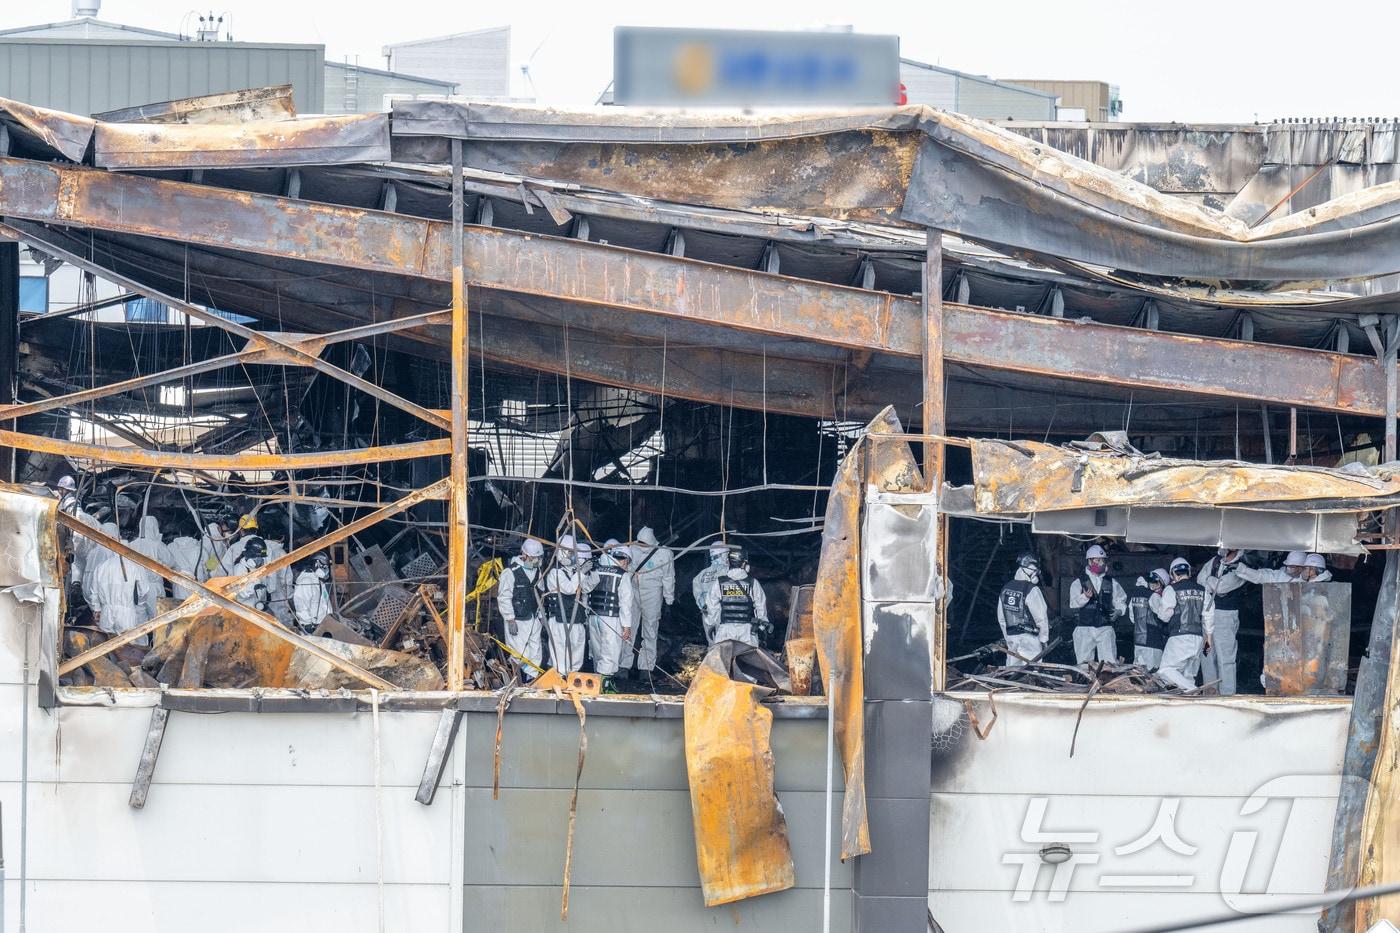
(1044,677)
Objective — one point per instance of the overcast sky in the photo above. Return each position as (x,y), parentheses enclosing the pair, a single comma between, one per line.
(1224,60)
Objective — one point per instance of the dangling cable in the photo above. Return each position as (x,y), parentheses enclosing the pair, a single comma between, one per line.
(661,427)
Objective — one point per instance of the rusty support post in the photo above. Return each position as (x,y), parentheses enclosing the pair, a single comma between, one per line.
(1388,361)
(1292,436)
(935,422)
(459,540)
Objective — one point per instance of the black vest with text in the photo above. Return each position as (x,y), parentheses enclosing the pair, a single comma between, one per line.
(735,601)
(523,598)
(603,599)
(1098,611)
(1148,630)
(1014,614)
(1190,608)
(1232,601)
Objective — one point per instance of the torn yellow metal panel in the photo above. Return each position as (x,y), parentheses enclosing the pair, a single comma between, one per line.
(741,840)
(1027,476)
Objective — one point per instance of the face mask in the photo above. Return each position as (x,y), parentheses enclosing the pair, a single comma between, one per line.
(321,573)
(1097,566)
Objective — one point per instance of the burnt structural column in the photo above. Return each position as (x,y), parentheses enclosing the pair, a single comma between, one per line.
(9,343)
(898,593)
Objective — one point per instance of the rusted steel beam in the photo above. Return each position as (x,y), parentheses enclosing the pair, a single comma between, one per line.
(261,619)
(243,461)
(594,273)
(209,317)
(459,541)
(233,584)
(935,423)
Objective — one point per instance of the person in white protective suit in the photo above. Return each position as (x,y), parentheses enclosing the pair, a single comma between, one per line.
(311,598)
(737,603)
(1150,616)
(1228,592)
(213,545)
(82,547)
(566,587)
(118,594)
(256,594)
(150,543)
(279,585)
(1315,569)
(654,569)
(1097,600)
(1291,572)
(184,557)
(613,611)
(1022,614)
(1189,628)
(518,601)
(97,555)
(700,586)
(247,531)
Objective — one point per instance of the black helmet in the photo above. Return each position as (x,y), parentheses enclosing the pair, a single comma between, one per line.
(1028,561)
(738,557)
(256,547)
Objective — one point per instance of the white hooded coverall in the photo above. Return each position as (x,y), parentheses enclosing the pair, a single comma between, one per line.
(311,601)
(184,557)
(522,634)
(279,585)
(700,589)
(568,639)
(1096,642)
(1028,646)
(118,594)
(609,635)
(97,555)
(654,569)
(82,547)
(1220,579)
(736,631)
(212,547)
(149,543)
(1162,605)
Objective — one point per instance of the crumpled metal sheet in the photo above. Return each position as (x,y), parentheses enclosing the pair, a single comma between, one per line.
(1027,476)
(741,840)
(312,141)
(52,131)
(259,103)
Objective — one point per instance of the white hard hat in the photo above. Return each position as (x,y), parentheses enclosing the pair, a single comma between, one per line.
(1095,551)
(583,549)
(66,482)
(532,548)
(1180,562)
(566,543)
(1295,559)
(718,547)
(611,543)
(1316,560)
(1161,576)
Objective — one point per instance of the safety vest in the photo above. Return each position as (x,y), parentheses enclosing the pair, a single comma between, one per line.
(523,598)
(1232,601)
(1098,611)
(603,598)
(735,601)
(564,608)
(1148,630)
(1014,614)
(1190,608)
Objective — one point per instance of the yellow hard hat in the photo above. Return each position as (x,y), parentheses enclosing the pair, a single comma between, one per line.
(247,522)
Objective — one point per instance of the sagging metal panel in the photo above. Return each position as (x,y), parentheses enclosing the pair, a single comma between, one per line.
(1307,638)
(52,132)
(1027,476)
(314,141)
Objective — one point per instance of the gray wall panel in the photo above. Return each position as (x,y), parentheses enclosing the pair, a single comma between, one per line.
(625,838)
(649,910)
(91,77)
